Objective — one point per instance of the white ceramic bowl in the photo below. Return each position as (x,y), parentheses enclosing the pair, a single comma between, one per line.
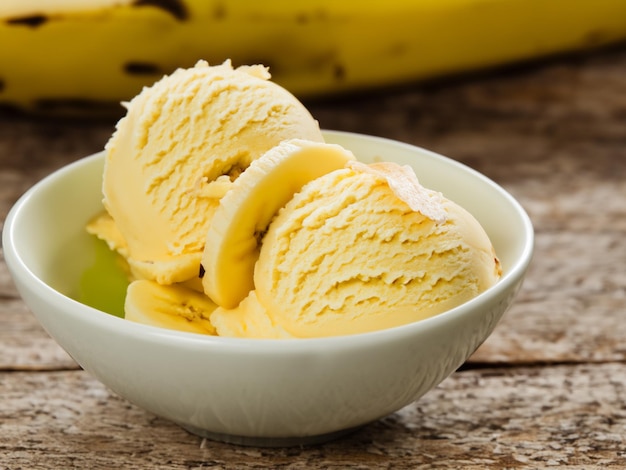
(259,392)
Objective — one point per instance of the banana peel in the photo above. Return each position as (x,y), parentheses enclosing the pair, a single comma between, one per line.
(87,56)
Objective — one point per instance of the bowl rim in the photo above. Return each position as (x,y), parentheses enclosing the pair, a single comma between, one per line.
(19,268)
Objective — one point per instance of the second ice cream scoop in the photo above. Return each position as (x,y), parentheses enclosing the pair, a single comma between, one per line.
(361,249)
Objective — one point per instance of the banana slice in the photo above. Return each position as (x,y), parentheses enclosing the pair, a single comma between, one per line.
(103,226)
(244,213)
(175,307)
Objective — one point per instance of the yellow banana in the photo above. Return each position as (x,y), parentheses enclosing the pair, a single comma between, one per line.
(245,212)
(175,307)
(82,55)
(103,226)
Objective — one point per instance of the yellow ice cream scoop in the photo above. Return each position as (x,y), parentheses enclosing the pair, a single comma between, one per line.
(361,249)
(178,150)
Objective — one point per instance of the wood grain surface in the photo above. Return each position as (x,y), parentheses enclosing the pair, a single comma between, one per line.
(527,417)
(546,389)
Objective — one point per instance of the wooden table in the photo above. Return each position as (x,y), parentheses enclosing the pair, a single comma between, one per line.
(547,389)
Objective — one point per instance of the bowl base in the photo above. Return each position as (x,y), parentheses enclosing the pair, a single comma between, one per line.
(251,441)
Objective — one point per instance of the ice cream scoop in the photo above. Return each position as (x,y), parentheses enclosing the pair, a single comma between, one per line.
(361,249)
(178,150)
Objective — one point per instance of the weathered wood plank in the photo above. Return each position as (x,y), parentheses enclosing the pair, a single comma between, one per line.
(501,418)
(572,306)
(24,345)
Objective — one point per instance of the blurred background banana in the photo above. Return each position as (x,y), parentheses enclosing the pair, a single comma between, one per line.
(77,56)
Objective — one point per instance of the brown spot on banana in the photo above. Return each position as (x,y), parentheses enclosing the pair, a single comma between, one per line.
(32,21)
(176,8)
(339,72)
(142,68)
(306,17)
(595,37)
(219,12)
(398,49)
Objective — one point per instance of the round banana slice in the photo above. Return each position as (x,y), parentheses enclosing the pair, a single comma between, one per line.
(245,212)
(175,307)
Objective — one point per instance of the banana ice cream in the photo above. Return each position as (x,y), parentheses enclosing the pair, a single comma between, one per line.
(237,219)
(361,249)
(180,146)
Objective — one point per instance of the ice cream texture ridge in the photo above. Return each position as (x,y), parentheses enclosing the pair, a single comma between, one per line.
(235,218)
